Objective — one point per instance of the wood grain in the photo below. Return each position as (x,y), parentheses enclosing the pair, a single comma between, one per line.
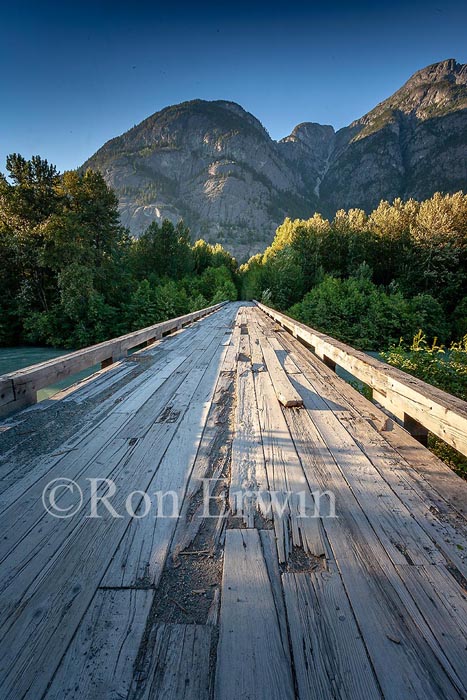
(251,659)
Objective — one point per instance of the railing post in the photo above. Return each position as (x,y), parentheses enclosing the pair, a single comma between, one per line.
(329,363)
(25,395)
(416,429)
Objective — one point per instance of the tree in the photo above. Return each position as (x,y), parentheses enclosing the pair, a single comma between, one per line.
(163,250)
(32,196)
(439,235)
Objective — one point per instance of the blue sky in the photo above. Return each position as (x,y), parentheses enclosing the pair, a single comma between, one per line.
(75,74)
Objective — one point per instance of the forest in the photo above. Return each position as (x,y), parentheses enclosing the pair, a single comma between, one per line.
(371,279)
(73,276)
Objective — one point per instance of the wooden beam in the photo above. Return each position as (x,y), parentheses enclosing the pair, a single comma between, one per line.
(284,390)
(19,389)
(330,658)
(441,413)
(99,661)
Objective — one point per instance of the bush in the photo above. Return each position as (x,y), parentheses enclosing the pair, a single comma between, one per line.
(446,369)
(357,312)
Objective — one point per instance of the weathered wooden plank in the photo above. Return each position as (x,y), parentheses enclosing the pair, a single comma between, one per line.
(441,477)
(366,424)
(395,632)
(18,462)
(399,533)
(330,658)
(182,343)
(271,559)
(27,381)
(283,355)
(42,623)
(251,659)
(441,413)
(98,382)
(151,385)
(446,529)
(340,445)
(177,665)
(86,459)
(19,471)
(443,604)
(296,525)
(27,470)
(25,521)
(213,452)
(89,461)
(99,662)
(141,555)
(402,537)
(248,472)
(285,392)
(437,631)
(449,591)
(286,478)
(150,410)
(410,619)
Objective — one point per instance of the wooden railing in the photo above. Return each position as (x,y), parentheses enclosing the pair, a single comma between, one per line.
(19,389)
(418,405)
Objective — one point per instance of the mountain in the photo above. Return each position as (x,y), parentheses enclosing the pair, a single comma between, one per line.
(411,145)
(214,164)
(211,163)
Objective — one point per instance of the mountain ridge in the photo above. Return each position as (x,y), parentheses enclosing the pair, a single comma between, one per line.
(215,165)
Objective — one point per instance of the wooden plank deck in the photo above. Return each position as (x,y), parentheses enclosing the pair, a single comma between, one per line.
(262,593)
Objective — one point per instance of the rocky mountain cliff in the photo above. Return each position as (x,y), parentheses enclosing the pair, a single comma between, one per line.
(214,165)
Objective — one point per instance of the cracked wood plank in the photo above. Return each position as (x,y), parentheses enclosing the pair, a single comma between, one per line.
(329,655)
(177,664)
(286,394)
(248,471)
(395,632)
(252,661)
(99,662)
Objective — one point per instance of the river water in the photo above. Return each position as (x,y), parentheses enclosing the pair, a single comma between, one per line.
(12,359)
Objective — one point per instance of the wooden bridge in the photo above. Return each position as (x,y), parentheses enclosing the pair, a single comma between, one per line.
(255,590)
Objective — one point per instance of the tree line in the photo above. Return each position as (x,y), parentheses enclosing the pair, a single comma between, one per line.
(71,273)
(370,279)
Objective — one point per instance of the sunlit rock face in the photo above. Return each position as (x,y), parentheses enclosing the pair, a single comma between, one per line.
(214,165)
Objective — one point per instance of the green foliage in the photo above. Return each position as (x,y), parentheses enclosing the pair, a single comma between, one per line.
(441,367)
(207,255)
(432,362)
(415,260)
(72,275)
(359,312)
(163,250)
(453,458)
(459,318)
